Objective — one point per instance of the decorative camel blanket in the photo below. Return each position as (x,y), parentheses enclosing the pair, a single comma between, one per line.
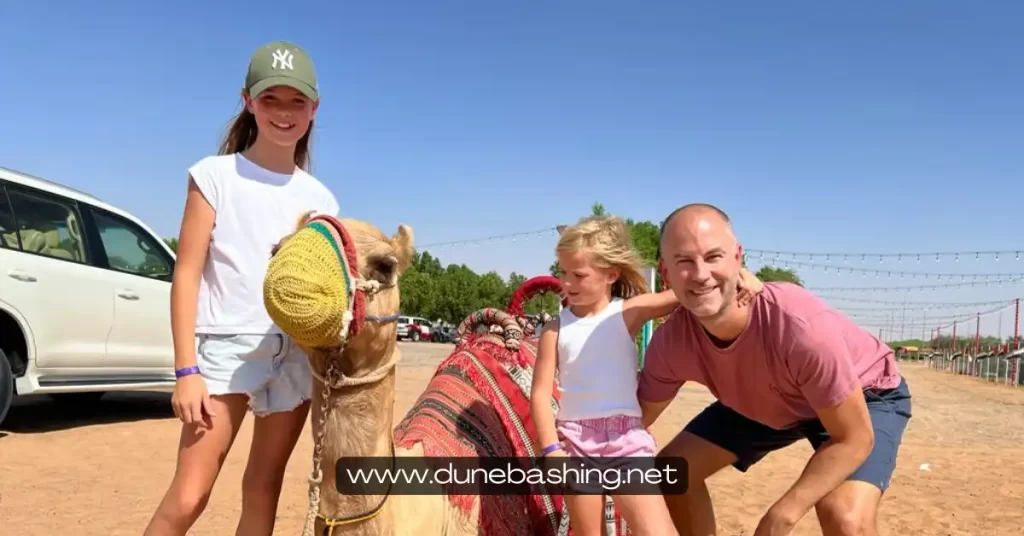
(477,405)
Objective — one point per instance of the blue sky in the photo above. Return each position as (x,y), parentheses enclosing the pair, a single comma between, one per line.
(890,127)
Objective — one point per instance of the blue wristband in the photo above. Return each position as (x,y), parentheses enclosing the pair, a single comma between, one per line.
(182,372)
(550,448)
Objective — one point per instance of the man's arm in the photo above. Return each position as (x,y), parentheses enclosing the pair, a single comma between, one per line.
(822,366)
(661,377)
(851,441)
(651,410)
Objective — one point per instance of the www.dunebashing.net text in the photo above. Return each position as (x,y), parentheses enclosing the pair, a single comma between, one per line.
(505,476)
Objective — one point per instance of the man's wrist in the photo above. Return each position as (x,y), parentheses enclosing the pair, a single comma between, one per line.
(788,510)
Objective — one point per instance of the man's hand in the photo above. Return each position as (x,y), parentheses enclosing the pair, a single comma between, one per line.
(749,286)
(776,522)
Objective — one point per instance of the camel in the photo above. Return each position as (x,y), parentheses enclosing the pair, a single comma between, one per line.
(353,360)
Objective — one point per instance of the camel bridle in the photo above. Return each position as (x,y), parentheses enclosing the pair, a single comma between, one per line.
(333,378)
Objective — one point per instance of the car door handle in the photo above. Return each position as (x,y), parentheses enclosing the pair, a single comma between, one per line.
(128,295)
(21,276)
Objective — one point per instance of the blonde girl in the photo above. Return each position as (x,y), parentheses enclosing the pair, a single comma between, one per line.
(229,357)
(591,347)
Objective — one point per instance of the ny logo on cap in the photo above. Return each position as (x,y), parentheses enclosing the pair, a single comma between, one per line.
(284,59)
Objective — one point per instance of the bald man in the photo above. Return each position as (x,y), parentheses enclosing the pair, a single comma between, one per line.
(784,368)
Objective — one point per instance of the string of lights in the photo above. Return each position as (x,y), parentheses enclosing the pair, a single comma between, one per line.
(915,304)
(881,257)
(890,273)
(524,235)
(940,286)
(898,309)
(936,256)
(892,319)
(779,258)
(929,323)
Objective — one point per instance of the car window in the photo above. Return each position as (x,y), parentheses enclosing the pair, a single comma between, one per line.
(8,231)
(130,249)
(47,225)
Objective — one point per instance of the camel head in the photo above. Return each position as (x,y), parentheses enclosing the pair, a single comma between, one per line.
(332,286)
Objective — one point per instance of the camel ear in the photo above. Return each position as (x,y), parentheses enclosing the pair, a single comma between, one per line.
(403,242)
(304,219)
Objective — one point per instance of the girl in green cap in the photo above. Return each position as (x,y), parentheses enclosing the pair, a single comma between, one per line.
(230,358)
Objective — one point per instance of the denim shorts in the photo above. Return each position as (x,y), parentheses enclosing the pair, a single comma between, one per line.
(750,441)
(271,369)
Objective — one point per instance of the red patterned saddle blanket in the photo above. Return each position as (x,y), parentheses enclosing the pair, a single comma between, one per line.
(477,404)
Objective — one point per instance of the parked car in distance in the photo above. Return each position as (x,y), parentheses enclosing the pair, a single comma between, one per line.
(414,328)
(443,333)
(84,295)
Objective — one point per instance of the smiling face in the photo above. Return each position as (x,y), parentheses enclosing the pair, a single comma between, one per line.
(283,114)
(702,261)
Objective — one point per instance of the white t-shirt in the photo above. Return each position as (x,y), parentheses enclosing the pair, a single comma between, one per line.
(597,365)
(255,208)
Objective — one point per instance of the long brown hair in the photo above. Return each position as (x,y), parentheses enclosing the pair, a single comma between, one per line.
(242,134)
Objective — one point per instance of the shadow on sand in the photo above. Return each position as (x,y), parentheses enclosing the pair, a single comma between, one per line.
(34,414)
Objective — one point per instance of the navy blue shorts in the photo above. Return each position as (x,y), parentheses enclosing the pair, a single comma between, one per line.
(750,440)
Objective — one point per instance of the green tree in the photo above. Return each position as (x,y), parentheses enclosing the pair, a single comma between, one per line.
(172,243)
(772,273)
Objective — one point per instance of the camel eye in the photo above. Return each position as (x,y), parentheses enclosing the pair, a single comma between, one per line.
(384,266)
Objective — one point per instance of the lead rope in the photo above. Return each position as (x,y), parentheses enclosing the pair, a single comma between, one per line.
(328,380)
(317,475)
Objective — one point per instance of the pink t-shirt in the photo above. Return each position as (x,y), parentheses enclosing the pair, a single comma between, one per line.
(797,353)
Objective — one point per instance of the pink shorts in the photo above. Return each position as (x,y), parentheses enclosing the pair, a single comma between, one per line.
(619,435)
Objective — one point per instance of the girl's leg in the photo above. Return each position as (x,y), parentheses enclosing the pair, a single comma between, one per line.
(273,440)
(586,514)
(582,439)
(646,515)
(201,453)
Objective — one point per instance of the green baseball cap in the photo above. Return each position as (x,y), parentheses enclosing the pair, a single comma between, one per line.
(281,63)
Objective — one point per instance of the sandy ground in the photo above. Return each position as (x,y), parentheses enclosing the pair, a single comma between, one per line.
(102,470)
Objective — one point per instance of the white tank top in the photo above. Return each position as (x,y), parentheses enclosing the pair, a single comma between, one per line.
(255,208)
(597,365)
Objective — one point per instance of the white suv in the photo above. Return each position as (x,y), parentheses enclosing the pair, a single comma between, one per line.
(84,295)
(414,328)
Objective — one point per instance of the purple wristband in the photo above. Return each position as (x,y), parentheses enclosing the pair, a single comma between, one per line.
(550,448)
(182,372)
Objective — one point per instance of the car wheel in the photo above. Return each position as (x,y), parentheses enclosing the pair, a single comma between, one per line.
(415,336)
(6,386)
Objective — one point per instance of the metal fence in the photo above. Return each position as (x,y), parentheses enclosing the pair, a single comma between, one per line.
(1003,368)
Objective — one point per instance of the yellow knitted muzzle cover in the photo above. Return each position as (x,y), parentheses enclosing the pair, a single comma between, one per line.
(308,289)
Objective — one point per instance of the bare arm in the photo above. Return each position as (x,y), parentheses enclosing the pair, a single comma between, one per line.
(749,286)
(820,363)
(640,309)
(852,438)
(193,241)
(652,410)
(544,371)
